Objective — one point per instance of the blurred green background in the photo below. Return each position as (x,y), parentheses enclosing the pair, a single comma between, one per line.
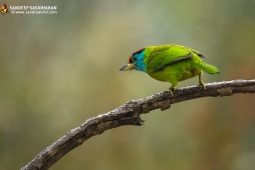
(58,70)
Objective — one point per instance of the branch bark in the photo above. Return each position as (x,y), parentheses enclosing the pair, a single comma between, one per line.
(129,114)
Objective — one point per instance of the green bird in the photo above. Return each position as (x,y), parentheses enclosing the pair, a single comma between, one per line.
(170,63)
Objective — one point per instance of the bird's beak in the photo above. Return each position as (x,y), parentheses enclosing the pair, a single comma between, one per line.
(127,67)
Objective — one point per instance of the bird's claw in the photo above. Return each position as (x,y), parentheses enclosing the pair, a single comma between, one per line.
(200,80)
(202,84)
(171,89)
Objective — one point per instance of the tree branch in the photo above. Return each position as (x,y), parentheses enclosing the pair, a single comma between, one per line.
(129,114)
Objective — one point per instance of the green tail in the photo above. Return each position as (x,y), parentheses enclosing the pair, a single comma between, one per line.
(206,67)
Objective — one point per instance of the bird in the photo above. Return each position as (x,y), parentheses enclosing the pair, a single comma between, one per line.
(170,63)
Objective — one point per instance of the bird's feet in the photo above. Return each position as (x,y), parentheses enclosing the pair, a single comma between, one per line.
(202,84)
(200,80)
(171,89)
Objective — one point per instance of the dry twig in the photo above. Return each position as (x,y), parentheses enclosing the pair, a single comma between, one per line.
(129,114)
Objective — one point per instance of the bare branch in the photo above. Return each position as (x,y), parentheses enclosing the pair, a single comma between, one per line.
(129,114)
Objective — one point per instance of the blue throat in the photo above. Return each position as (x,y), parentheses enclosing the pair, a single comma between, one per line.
(140,65)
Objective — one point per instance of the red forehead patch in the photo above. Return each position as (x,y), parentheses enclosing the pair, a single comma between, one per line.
(129,59)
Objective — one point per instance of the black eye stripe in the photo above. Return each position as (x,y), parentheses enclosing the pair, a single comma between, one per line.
(135,58)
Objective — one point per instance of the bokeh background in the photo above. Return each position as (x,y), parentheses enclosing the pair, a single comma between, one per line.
(58,70)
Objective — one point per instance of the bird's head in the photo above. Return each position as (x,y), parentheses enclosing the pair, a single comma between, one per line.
(135,62)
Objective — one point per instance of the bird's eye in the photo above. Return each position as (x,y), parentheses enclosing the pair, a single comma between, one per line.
(135,58)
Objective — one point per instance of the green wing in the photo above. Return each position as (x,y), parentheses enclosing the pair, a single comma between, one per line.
(162,56)
(196,52)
